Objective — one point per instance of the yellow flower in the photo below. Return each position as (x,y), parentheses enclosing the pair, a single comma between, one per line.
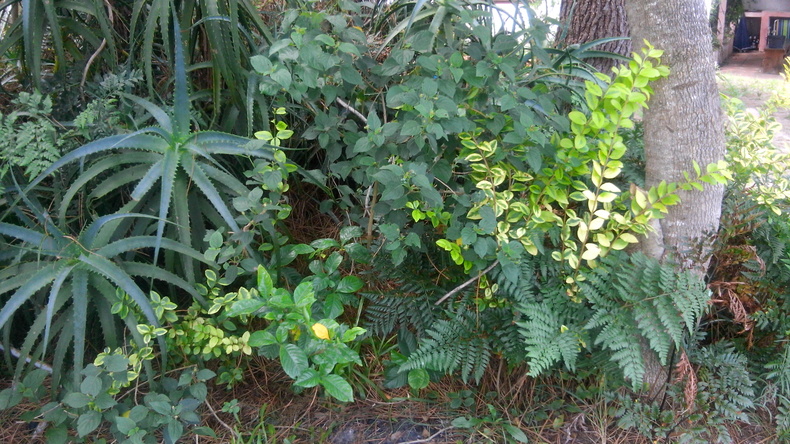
(320,331)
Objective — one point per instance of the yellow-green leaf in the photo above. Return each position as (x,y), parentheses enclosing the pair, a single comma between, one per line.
(320,331)
(592,252)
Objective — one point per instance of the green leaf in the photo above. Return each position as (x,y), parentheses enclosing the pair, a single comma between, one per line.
(333,305)
(350,74)
(138,413)
(104,401)
(159,403)
(199,391)
(215,240)
(350,284)
(261,338)
(76,400)
(323,244)
(352,333)
(577,117)
(338,388)
(125,425)
(516,433)
(265,283)
(349,48)
(91,386)
(10,397)
(464,423)
(88,422)
(245,307)
(204,431)
(349,233)
(309,378)
(174,430)
(205,374)
(418,378)
(261,64)
(56,435)
(283,77)
(304,296)
(293,359)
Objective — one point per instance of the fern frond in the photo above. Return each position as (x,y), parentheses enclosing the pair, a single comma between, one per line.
(639,297)
(28,139)
(551,332)
(411,306)
(452,345)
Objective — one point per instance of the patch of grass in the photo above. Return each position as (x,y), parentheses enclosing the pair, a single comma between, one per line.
(745,87)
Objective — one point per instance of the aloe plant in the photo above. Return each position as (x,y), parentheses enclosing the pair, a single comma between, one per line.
(94,37)
(65,279)
(193,184)
(72,270)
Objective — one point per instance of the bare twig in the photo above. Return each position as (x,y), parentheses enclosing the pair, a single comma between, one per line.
(353,111)
(467,283)
(224,424)
(99,49)
(39,364)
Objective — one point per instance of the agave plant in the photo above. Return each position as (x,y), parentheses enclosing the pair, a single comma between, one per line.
(95,37)
(194,187)
(37,23)
(567,66)
(73,273)
(65,279)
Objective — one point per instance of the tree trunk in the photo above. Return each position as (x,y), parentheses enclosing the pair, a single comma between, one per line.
(683,123)
(587,20)
(684,120)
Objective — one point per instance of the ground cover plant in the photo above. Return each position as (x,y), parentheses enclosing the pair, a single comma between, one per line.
(411,211)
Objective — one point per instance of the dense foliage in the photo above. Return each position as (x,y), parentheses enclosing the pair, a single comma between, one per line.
(481,191)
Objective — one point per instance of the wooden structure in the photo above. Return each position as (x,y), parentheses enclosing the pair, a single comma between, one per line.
(765,24)
(773,60)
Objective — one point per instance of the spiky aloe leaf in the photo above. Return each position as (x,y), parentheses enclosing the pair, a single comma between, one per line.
(137,140)
(57,284)
(35,283)
(79,289)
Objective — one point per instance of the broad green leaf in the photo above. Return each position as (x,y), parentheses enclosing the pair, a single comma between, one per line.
(245,307)
(338,388)
(91,386)
(88,422)
(304,295)
(349,233)
(630,238)
(418,378)
(76,400)
(124,424)
(308,378)
(350,284)
(516,433)
(205,374)
(591,252)
(293,359)
(265,283)
(160,403)
(174,430)
(204,431)
(199,391)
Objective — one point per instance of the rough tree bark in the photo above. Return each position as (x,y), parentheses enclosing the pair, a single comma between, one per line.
(683,123)
(587,20)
